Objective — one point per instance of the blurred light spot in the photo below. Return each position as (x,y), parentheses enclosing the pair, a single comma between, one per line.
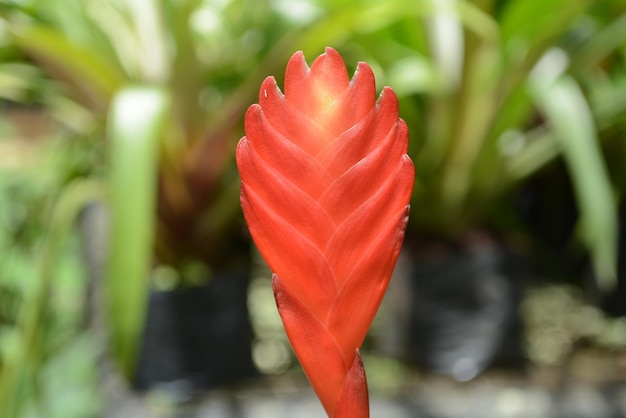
(297,11)
(446,40)
(263,312)
(165,278)
(510,403)
(589,321)
(412,75)
(465,369)
(205,21)
(511,142)
(270,356)
(614,335)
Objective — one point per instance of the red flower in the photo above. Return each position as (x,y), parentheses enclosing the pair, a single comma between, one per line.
(325,188)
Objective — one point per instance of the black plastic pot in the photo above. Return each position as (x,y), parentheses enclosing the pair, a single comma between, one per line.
(197,337)
(464,308)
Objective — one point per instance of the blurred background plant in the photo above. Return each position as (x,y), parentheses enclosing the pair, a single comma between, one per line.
(510,104)
(511,118)
(496,91)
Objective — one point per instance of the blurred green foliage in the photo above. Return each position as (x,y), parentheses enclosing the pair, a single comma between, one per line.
(42,287)
(493,92)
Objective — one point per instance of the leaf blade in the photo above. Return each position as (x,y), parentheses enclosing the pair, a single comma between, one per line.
(570,117)
(136,120)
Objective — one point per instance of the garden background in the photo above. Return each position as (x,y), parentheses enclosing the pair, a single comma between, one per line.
(128,282)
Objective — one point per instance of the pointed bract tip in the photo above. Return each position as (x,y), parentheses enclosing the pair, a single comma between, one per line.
(297,58)
(354,400)
(329,50)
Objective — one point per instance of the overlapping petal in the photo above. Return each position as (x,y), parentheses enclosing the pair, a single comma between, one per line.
(316,348)
(325,187)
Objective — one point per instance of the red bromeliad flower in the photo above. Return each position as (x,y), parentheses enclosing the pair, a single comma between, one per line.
(325,188)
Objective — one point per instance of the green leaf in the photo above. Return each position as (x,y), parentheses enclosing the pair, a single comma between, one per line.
(136,124)
(607,40)
(17,80)
(533,21)
(570,118)
(92,78)
(370,17)
(539,148)
(21,361)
